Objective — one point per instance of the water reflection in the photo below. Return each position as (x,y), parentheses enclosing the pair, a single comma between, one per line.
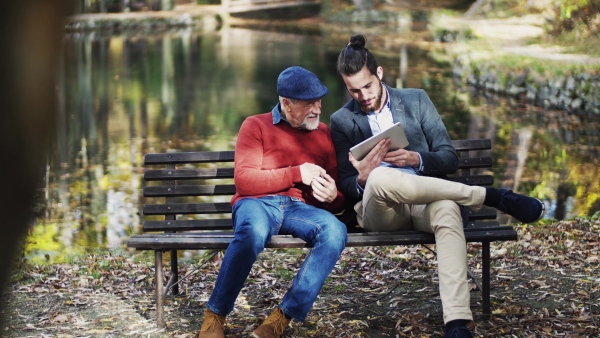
(126,95)
(551,154)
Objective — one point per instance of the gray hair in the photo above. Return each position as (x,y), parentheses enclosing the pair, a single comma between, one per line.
(281,102)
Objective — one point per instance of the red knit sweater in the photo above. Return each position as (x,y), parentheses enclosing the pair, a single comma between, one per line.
(268,158)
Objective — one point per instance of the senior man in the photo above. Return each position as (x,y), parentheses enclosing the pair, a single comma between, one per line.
(286,180)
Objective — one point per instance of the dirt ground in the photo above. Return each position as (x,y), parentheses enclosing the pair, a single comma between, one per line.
(545,285)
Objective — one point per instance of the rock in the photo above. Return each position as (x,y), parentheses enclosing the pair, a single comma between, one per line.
(521,79)
(514,90)
(570,83)
(577,103)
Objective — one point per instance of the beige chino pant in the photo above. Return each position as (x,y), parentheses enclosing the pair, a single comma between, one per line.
(397,201)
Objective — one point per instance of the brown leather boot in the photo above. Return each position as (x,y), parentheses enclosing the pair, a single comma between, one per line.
(273,326)
(213,326)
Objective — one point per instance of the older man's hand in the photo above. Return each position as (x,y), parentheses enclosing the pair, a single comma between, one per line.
(310,171)
(324,189)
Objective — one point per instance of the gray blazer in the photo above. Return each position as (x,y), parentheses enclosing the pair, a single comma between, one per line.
(424,129)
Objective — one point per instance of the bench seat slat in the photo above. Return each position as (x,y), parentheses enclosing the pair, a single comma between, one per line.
(189,190)
(220,240)
(187,208)
(481,224)
(370,239)
(229,233)
(187,174)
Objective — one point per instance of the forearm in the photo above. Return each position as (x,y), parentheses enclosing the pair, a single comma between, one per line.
(250,182)
(437,163)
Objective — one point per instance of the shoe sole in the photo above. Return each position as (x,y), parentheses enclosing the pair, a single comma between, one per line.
(541,213)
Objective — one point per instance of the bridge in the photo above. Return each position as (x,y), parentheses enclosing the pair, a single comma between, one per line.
(239,6)
(220,12)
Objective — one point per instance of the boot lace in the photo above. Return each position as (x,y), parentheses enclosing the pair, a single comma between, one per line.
(280,325)
(212,319)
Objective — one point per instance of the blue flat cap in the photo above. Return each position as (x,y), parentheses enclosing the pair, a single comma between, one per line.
(300,84)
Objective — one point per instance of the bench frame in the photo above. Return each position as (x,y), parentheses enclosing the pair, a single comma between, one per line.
(176,230)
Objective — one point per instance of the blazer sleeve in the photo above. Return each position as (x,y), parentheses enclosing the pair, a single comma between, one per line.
(440,159)
(341,136)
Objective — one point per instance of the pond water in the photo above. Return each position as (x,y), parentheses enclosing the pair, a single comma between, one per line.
(126,95)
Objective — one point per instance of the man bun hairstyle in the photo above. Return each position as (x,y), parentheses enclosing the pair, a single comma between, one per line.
(355,56)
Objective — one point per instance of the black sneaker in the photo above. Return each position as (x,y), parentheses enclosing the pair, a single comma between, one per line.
(458,332)
(524,208)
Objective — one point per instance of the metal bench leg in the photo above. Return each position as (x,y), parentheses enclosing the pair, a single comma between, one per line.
(485,276)
(172,284)
(472,275)
(160,298)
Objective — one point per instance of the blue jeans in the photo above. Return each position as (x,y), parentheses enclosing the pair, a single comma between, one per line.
(255,220)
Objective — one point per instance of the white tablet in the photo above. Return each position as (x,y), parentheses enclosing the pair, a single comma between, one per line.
(395,133)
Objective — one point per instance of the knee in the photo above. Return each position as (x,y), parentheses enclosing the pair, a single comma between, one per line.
(446,214)
(384,180)
(251,236)
(378,178)
(335,235)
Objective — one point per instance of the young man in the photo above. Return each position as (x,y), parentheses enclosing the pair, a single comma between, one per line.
(402,189)
(285,175)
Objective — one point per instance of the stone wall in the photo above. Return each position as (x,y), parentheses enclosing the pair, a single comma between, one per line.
(576,93)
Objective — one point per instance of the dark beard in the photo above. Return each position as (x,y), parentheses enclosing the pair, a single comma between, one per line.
(377,102)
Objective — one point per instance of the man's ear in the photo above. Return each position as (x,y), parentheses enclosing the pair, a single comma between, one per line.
(380,73)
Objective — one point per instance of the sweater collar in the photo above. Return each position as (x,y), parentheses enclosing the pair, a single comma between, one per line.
(276,111)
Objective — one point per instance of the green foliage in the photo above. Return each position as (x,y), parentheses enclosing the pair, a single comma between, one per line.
(577,24)
(340,288)
(285,274)
(145,256)
(208,2)
(567,7)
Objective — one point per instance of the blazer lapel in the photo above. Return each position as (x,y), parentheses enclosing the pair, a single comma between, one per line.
(397,108)
(361,122)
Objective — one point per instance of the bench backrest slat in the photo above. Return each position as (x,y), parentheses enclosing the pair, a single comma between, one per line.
(190,157)
(193,224)
(474,162)
(483,180)
(189,190)
(187,174)
(187,208)
(472,144)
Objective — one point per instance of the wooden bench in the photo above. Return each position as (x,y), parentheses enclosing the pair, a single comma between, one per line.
(191,211)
